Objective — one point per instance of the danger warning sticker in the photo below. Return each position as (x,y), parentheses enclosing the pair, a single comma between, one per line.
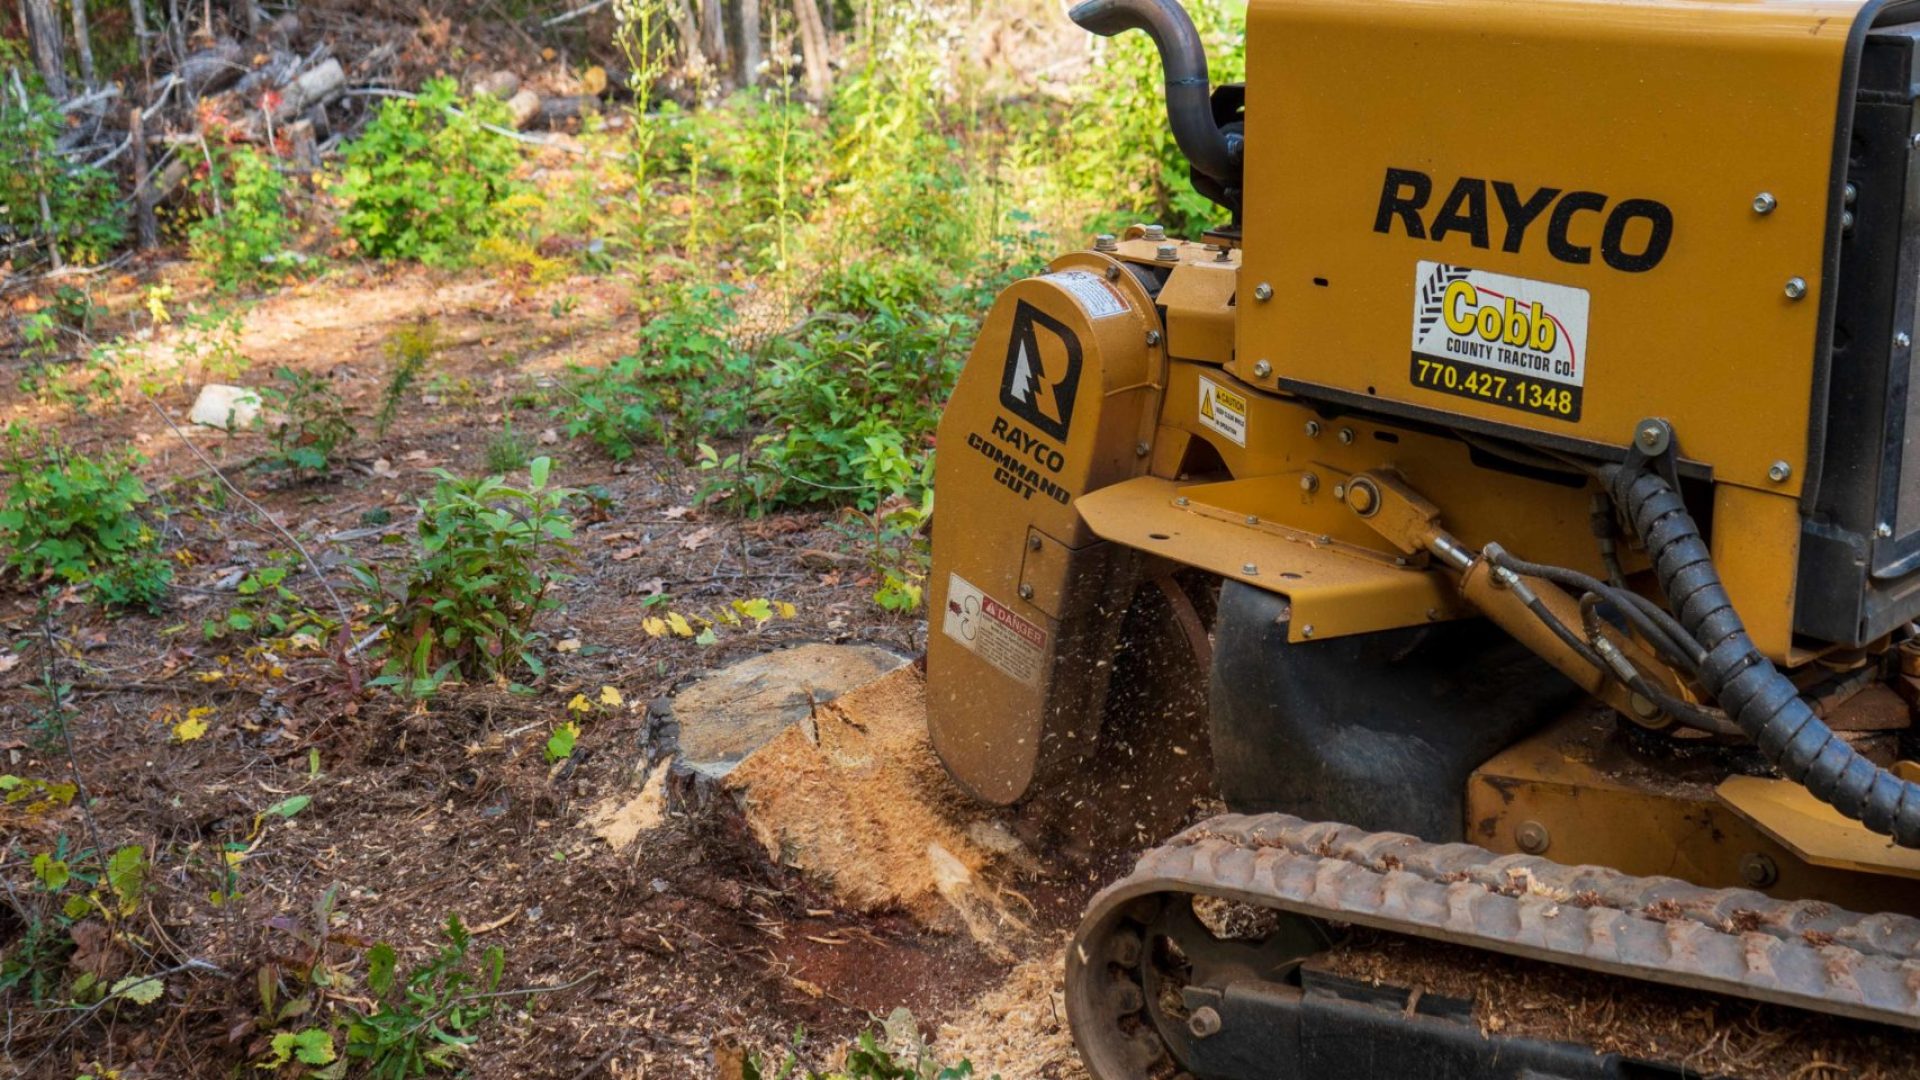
(992,631)
(1223,410)
(1505,340)
(1095,296)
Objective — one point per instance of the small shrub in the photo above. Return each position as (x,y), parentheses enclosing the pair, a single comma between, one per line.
(507,452)
(244,233)
(86,226)
(265,606)
(426,1020)
(409,348)
(486,561)
(687,380)
(427,179)
(78,519)
(312,422)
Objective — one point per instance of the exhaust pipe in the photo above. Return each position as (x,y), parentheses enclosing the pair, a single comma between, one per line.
(1210,151)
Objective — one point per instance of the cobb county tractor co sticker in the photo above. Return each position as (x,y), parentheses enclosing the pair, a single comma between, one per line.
(1504,340)
(993,632)
(1223,410)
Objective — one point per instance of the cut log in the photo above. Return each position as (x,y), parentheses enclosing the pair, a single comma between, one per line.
(213,68)
(501,84)
(559,111)
(524,107)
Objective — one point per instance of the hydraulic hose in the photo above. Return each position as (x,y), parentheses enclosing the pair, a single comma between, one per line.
(1765,704)
(1189,91)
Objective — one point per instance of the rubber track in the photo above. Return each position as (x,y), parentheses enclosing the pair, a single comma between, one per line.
(1732,941)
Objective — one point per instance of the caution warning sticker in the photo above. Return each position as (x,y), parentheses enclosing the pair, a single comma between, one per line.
(992,631)
(1223,410)
(1094,295)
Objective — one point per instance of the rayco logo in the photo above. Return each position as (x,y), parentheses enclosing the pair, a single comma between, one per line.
(1634,234)
(1042,376)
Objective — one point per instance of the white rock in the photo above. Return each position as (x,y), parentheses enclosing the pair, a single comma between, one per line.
(229,408)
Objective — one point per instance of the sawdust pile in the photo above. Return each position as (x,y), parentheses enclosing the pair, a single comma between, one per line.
(854,797)
(1018,1029)
(1708,1033)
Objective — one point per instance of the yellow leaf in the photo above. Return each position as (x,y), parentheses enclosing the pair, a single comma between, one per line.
(655,627)
(611,696)
(580,704)
(759,610)
(786,610)
(194,726)
(679,624)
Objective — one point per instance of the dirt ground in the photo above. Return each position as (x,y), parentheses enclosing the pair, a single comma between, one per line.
(662,959)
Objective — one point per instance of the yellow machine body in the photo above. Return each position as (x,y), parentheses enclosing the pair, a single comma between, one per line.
(1466,224)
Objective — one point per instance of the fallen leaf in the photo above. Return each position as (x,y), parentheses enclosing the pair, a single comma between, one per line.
(699,536)
(627,553)
(571,644)
(384,469)
(580,704)
(675,513)
(8,661)
(610,696)
(678,623)
(194,726)
(655,627)
(548,437)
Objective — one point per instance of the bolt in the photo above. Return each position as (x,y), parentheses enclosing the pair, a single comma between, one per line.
(1250,570)
(1204,1023)
(1883,530)
(1113,273)
(1779,472)
(1325,539)
(1643,706)
(1225,256)
(1846,219)
(1346,436)
(1153,338)
(1916,138)
(1106,242)
(1852,194)
(1127,998)
(1340,492)
(1433,614)
(1263,292)
(1155,233)
(1181,500)
(1033,543)
(1306,631)
(1757,870)
(1253,519)
(1313,429)
(1796,288)
(1126,951)
(1903,339)
(1262,369)
(1532,837)
(1363,498)
(1765,203)
(1309,483)
(1651,436)
(1141,449)
(1026,592)
(1399,560)
(1167,253)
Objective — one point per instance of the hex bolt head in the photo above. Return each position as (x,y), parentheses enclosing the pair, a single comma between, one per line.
(1652,436)
(1263,292)
(1346,436)
(1779,472)
(1204,1023)
(1113,273)
(1253,519)
(1757,870)
(1903,340)
(1765,203)
(1306,631)
(1106,242)
(1309,483)
(1532,838)
(1852,194)
(1796,288)
(1313,429)
(1916,138)
(1340,492)
(1262,369)
(1141,449)
(1181,500)
(1153,338)
(1846,219)
(1155,232)
(1250,570)
(1033,543)
(1883,530)
(1026,592)
(1167,253)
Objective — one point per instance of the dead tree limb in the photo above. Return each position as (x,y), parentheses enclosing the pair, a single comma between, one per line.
(49,51)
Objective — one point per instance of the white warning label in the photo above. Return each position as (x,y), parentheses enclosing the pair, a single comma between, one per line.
(1094,295)
(1223,411)
(992,631)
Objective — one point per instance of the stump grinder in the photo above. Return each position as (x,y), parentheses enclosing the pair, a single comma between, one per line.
(1528,468)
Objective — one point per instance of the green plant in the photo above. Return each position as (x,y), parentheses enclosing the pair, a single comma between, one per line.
(427,178)
(79,519)
(208,347)
(687,379)
(507,451)
(44,197)
(427,1019)
(266,607)
(312,422)
(486,561)
(243,233)
(867,1059)
(409,348)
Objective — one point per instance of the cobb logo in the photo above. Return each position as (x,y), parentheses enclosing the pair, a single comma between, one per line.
(1498,319)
